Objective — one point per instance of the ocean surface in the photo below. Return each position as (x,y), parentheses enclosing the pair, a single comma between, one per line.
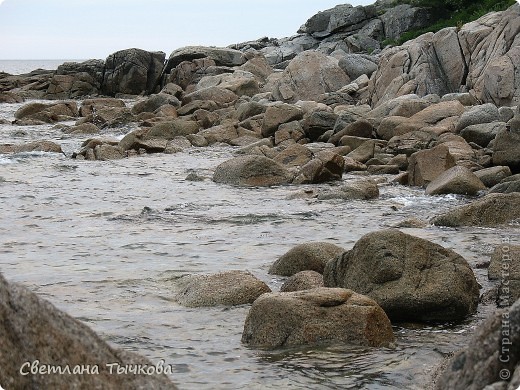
(26,66)
(106,242)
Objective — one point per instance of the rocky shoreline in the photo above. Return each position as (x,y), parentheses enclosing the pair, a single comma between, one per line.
(440,112)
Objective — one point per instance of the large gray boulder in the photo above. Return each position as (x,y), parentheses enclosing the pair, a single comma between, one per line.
(426,165)
(33,331)
(456,180)
(411,278)
(484,113)
(132,72)
(493,175)
(404,17)
(491,210)
(308,76)
(309,256)
(491,358)
(322,315)
(251,171)
(507,185)
(226,288)
(361,189)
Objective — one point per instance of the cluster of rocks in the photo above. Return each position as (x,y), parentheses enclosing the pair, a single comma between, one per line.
(387,276)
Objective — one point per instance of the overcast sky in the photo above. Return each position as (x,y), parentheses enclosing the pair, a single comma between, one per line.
(81,29)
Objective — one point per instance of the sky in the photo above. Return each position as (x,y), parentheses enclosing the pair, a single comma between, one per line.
(85,29)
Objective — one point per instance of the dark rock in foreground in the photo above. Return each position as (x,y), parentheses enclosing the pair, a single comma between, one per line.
(33,330)
(491,359)
(322,315)
(411,278)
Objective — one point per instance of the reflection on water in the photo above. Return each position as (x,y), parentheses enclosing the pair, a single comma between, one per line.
(105,241)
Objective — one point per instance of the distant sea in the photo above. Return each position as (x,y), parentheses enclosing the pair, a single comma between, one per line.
(26,66)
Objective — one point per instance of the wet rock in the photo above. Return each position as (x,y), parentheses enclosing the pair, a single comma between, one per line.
(84,128)
(490,210)
(46,113)
(426,165)
(251,171)
(278,114)
(493,175)
(456,180)
(33,330)
(383,169)
(132,72)
(309,256)
(362,189)
(10,98)
(91,106)
(35,146)
(387,265)
(489,351)
(309,75)
(99,149)
(303,280)
(314,316)
(227,288)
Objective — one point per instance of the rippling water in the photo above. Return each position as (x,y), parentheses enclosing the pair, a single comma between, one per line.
(105,241)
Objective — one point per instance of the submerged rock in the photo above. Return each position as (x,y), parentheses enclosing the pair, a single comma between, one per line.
(491,210)
(411,278)
(33,330)
(227,288)
(322,315)
(309,256)
(251,171)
